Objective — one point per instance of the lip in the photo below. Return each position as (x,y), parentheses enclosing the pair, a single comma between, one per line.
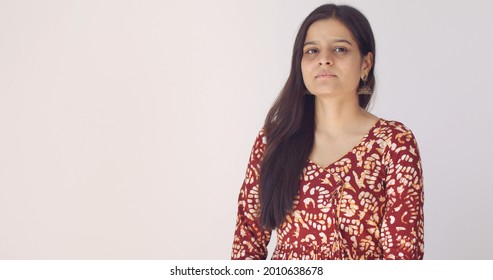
(325,75)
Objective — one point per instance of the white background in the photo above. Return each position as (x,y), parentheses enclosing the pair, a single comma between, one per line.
(126,126)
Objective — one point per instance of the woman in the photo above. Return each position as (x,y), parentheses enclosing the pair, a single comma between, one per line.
(335,181)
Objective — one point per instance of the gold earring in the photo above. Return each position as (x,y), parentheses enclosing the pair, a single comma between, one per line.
(363,88)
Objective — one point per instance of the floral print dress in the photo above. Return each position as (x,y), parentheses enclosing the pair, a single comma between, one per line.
(366,205)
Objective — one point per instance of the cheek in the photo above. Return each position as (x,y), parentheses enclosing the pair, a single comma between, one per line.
(352,69)
(357,66)
(305,70)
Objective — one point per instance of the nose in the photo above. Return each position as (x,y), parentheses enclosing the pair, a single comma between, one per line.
(325,58)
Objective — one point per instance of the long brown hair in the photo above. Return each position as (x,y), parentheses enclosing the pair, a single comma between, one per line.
(290,124)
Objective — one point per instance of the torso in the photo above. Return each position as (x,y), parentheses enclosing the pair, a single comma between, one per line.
(340,212)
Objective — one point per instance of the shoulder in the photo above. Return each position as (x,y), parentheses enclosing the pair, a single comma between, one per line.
(397,139)
(261,139)
(258,146)
(261,136)
(394,131)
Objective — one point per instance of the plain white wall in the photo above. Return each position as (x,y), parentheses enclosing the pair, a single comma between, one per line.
(126,126)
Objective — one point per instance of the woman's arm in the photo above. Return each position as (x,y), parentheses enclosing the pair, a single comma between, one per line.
(250,240)
(402,232)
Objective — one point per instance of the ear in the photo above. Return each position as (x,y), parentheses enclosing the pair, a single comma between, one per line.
(367,63)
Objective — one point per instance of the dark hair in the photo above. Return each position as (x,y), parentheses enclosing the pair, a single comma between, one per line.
(290,124)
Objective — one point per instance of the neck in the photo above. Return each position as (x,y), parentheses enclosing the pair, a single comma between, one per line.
(334,116)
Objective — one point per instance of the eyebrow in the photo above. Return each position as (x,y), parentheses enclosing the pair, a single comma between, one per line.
(333,41)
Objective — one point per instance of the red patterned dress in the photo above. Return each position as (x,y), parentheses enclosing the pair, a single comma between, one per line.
(366,205)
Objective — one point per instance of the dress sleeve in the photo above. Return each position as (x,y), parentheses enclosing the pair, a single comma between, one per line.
(402,233)
(250,240)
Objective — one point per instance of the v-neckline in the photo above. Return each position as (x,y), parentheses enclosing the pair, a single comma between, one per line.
(361,142)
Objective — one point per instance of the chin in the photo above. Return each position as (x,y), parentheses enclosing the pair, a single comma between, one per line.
(321,90)
(324,93)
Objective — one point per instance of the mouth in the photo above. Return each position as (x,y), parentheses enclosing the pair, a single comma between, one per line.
(325,75)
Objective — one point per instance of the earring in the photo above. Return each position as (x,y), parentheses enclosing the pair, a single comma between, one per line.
(364,89)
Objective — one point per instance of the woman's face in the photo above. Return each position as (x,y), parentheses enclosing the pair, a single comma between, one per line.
(332,63)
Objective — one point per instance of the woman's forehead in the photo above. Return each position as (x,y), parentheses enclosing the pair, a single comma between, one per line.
(328,30)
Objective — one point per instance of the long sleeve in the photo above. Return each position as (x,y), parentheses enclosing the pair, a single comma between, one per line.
(250,240)
(402,232)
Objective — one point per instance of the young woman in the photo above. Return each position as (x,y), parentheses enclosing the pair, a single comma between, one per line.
(334,181)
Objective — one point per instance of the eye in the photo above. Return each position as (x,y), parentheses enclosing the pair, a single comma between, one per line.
(311,51)
(340,50)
